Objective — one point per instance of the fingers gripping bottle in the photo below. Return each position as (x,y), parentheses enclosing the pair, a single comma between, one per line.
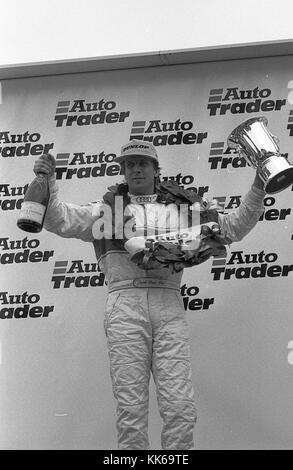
(33,209)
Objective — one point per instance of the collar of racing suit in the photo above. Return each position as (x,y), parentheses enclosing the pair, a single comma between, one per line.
(142,198)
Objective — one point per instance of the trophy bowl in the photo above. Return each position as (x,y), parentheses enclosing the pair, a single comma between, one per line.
(259,147)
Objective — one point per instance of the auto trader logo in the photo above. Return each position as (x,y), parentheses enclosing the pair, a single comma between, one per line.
(242,265)
(84,274)
(23,145)
(9,196)
(270,213)
(82,113)
(24,305)
(166,133)
(23,251)
(236,101)
(222,157)
(80,165)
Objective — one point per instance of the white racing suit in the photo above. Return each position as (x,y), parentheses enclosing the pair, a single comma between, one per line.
(146,328)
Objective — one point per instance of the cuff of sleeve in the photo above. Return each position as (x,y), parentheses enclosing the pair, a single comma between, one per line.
(260,193)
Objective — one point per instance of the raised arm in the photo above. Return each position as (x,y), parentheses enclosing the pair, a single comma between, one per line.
(66,219)
(237,224)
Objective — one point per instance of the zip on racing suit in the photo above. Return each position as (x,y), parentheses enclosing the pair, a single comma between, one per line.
(145,324)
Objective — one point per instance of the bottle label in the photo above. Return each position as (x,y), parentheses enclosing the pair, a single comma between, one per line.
(32,211)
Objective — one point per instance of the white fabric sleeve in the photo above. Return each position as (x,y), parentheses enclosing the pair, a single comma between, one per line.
(237,224)
(70,220)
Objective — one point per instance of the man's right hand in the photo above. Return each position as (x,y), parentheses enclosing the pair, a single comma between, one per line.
(45,164)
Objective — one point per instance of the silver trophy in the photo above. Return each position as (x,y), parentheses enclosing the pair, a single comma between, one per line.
(260,149)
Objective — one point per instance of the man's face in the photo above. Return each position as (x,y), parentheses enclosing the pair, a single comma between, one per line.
(140,174)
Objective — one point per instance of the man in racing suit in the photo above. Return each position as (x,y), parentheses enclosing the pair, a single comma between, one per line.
(145,322)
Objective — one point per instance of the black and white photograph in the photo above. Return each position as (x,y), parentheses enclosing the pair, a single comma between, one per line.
(146,261)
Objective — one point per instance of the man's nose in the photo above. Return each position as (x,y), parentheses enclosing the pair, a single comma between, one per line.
(137,168)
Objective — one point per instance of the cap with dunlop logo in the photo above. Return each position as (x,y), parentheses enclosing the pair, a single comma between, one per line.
(137,148)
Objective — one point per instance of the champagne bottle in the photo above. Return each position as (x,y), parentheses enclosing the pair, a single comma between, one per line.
(33,209)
